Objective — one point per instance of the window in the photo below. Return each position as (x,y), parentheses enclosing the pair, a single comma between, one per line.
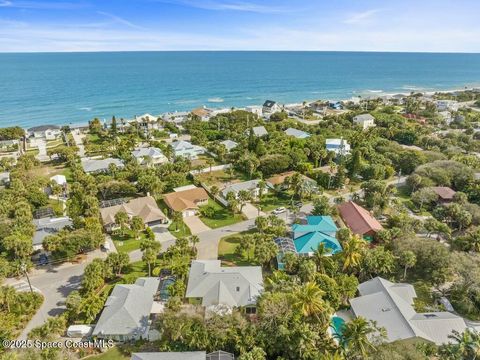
(238,288)
(250,310)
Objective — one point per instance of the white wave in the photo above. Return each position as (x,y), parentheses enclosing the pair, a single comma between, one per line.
(375,91)
(215,100)
(85,108)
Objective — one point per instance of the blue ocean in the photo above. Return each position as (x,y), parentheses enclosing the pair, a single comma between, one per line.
(70,88)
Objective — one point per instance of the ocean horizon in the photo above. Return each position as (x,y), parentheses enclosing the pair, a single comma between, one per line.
(72,88)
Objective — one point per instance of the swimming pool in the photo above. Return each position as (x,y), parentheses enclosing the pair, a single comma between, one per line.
(336,326)
(164,284)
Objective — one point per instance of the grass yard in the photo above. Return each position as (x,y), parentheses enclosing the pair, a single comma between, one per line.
(222,216)
(57,206)
(271,201)
(179,229)
(227,247)
(114,353)
(127,243)
(221,177)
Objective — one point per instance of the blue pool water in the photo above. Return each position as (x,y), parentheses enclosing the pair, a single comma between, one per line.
(66,88)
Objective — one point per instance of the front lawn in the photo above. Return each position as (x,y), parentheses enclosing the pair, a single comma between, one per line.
(227,250)
(221,217)
(271,201)
(179,229)
(127,243)
(221,177)
(112,354)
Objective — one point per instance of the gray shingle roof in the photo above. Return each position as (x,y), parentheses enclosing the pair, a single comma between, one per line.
(235,188)
(391,306)
(94,165)
(152,152)
(231,286)
(363,117)
(299,134)
(127,309)
(49,226)
(229,144)
(260,131)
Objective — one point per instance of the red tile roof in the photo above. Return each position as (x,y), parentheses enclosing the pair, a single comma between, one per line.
(358,219)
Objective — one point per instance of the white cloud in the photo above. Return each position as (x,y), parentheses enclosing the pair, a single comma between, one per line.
(230,6)
(42,5)
(120,20)
(361,17)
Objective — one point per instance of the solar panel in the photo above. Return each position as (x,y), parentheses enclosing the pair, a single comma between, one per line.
(112,202)
(285,244)
(43,213)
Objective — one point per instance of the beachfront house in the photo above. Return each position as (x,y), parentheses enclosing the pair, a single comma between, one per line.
(147,122)
(145,207)
(215,286)
(202,113)
(229,144)
(127,311)
(183,355)
(335,105)
(187,150)
(257,110)
(270,107)
(443,105)
(339,146)
(9,145)
(299,134)
(186,201)
(93,166)
(365,121)
(359,220)
(149,155)
(252,186)
(390,305)
(47,132)
(48,226)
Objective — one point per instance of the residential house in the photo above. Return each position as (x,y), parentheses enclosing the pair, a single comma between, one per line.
(48,226)
(364,120)
(126,314)
(270,107)
(444,193)
(9,145)
(252,186)
(187,201)
(257,110)
(279,180)
(446,116)
(176,117)
(5,178)
(202,113)
(335,105)
(230,287)
(443,105)
(359,220)
(145,207)
(59,180)
(229,144)
(299,134)
(147,122)
(99,165)
(47,132)
(150,155)
(390,305)
(184,355)
(259,131)
(339,146)
(187,150)
(317,230)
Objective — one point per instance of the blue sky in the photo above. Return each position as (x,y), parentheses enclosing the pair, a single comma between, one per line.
(347,25)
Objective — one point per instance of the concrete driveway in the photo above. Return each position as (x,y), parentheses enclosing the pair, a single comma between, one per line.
(195,225)
(250,211)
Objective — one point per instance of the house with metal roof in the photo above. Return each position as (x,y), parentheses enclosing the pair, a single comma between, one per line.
(91,166)
(229,144)
(252,186)
(48,226)
(338,146)
(390,305)
(126,314)
(259,131)
(154,154)
(231,287)
(187,150)
(299,134)
(317,230)
(359,220)
(270,106)
(47,132)
(184,355)
(364,120)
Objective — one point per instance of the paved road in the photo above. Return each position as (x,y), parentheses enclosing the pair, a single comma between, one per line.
(78,138)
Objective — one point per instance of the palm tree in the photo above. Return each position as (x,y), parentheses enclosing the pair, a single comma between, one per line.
(308,298)
(194,239)
(322,258)
(356,338)
(214,190)
(352,251)
(177,217)
(210,162)
(467,345)
(7,296)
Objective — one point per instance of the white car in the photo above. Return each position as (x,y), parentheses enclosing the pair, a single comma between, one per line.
(279,210)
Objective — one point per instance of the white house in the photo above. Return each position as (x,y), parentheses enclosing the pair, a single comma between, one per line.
(259,131)
(154,154)
(252,186)
(48,226)
(364,120)
(47,132)
(229,144)
(257,110)
(299,134)
(59,179)
(99,165)
(443,105)
(228,286)
(270,107)
(446,116)
(186,149)
(390,305)
(338,146)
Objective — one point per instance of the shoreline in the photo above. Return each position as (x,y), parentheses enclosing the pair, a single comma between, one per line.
(372,94)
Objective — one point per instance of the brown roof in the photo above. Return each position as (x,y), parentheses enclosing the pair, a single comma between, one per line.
(200,112)
(358,219)
(144,207)
(444,192)
(280,178)
(187,199)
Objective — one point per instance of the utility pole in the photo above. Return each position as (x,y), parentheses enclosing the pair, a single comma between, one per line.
(24,269)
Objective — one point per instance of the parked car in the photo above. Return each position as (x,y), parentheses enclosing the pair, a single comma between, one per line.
(298,204)
(279,210)
(43,260)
